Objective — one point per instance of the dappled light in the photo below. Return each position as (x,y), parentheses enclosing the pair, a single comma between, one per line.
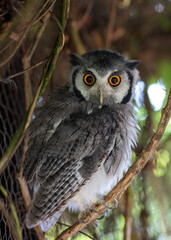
(157,94)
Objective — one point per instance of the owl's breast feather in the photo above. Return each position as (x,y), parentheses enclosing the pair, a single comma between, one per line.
(113,166)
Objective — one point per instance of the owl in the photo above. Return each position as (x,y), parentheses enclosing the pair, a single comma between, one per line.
(80,141)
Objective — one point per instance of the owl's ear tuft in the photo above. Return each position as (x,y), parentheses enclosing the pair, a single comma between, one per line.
(75,60)
(132,64)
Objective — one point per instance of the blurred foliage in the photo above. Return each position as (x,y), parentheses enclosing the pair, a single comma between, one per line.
(138,29)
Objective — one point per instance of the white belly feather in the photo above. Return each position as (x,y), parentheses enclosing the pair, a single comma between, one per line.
(99,184)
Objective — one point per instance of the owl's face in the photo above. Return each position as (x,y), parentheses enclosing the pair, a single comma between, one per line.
(103,77)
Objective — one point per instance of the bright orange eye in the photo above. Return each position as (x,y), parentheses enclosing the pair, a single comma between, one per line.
(114,80)
(89,79)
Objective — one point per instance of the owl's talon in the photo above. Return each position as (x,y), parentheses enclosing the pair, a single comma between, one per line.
(115,203)
(83,215)
(104,204)
(102,217)
(107,206)
(93,210)
(106,211)
(96,223)
(82,221)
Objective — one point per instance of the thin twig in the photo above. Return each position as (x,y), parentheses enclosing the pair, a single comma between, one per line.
(57,47)
(27,58)
(5,11)
(57,22)
(60,28)
(123,184)
(14,213)
(10,224)
(41,10)
(111,25)
(15,48)
(80,48)
(66,225)
(20,22)
(40,31)
(85,18)
(24,190)
(48,10)
(33,21)
(27,200)
(28,69)
(6,46)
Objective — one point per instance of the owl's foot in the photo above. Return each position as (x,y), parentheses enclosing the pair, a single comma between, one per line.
(96,224)
(82,215)
(103,215)
(114,204)
(88,211)
(101,201)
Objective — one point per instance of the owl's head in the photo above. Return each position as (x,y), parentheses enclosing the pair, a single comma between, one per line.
(103,77)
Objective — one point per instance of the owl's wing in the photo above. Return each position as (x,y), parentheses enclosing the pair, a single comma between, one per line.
(71,156)
(44,125)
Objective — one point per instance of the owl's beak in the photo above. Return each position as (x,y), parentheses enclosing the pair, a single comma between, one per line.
(101,97)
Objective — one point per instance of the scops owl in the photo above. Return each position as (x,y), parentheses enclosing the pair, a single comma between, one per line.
(80,140)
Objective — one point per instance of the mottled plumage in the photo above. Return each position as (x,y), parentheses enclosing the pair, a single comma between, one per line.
(80,141)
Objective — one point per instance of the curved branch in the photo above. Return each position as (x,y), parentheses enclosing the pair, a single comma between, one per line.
(123,184)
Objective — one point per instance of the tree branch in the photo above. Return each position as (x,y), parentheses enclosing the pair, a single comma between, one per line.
(128,217)
(123,184)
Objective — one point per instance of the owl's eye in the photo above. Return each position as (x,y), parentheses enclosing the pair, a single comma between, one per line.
(114,80)
(89,79)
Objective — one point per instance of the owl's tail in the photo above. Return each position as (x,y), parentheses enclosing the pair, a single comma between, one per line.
(50,222)
(47,224)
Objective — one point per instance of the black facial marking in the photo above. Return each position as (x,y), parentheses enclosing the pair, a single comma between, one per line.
(76,91)
(128,96)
